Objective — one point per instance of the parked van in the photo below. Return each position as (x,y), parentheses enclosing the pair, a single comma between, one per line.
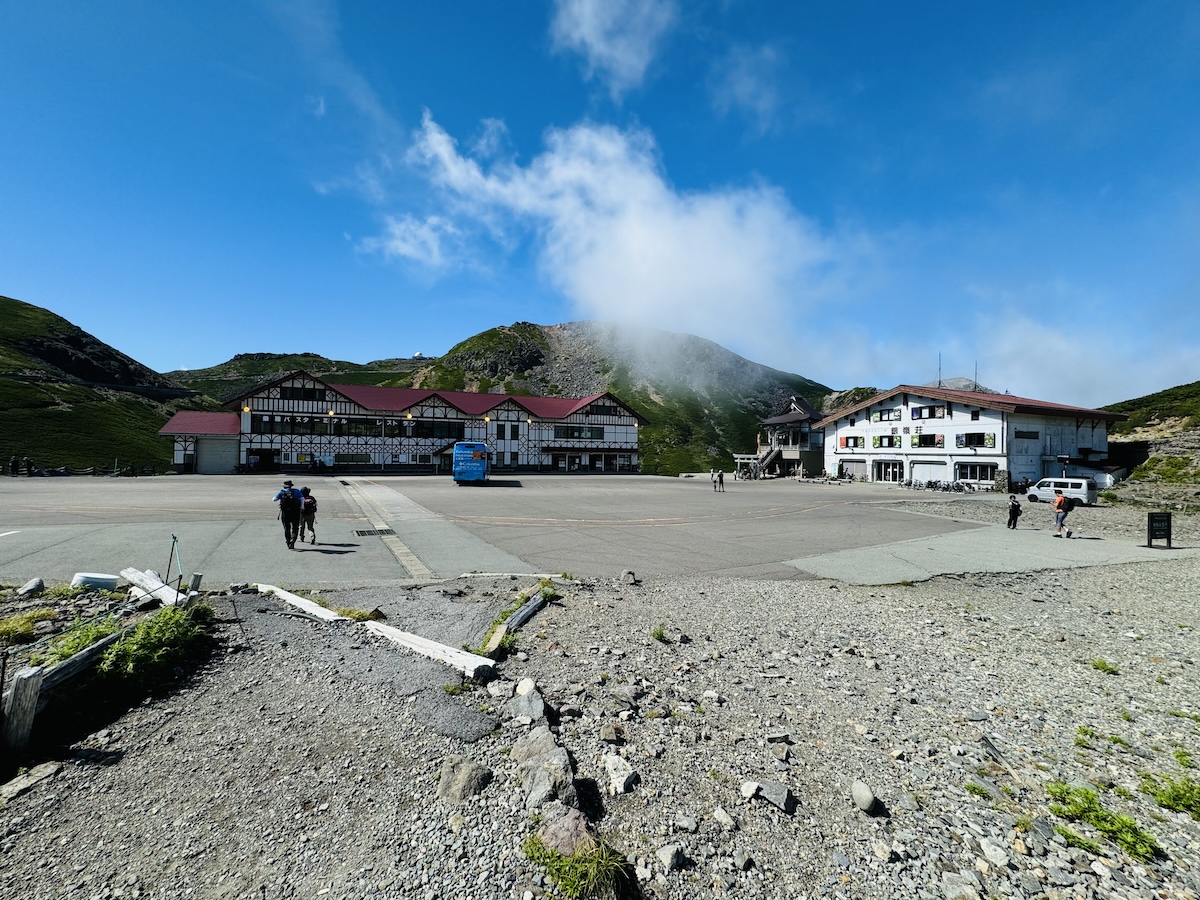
(1082,489)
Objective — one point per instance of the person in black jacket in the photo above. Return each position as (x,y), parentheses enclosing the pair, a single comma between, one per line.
(290,501)
(1014,511)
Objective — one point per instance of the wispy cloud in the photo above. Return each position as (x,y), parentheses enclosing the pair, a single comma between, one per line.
(621,243)
(314,26)
(416,240)
(616,38)
(747,80)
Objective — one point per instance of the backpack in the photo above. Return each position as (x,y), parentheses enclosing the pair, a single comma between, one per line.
(288,500)
(310,504)
(1070,503)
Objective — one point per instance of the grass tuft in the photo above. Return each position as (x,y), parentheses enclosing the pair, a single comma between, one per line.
(19,629)
(1102,665)
(1181,796)
(81,636)
(1081,804)
(592,873)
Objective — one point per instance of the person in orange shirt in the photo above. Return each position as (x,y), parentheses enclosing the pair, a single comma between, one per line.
(1060,514)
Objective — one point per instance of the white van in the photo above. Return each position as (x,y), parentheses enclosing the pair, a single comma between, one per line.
(1082,489)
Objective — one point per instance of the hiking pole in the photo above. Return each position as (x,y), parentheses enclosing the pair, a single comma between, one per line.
(178,563)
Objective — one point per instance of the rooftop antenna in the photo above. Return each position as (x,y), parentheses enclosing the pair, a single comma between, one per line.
(977,376)
(939,369)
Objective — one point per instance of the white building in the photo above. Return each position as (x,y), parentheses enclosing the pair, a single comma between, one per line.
(300,422)
(926,434)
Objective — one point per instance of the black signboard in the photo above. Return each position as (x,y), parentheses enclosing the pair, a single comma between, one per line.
(1158,527)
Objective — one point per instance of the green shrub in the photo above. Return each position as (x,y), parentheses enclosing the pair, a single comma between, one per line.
(1101,665)
(150,652)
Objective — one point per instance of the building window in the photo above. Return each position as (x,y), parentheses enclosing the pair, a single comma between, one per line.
(885,440)
(500,431)
(888,415)
(439,428)
(976,439)
(929,412)
(927,440)
(603,409)
(851,441)
(579,432)
(976,471)
(1027,435)
(302,393)
(974,415)
(363,427)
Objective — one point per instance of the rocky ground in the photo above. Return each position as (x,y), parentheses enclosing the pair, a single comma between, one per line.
(731,717)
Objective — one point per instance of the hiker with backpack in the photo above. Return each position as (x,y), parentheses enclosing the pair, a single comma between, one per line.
(1062,506)
(308,515)
(290,503)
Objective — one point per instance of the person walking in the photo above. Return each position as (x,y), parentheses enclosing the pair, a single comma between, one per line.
(712,476)
(721,480)
(1061,508)
(1014,511)
(308,515)
(290,502)
(28,464)
(14,467)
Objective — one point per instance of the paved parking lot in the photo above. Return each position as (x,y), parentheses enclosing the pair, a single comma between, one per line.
(586,525)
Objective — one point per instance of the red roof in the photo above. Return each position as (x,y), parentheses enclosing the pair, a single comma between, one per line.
(390,399)
(983,399)
(208,423)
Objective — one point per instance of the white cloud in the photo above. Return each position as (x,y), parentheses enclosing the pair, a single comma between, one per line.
(617,38)
(622,244)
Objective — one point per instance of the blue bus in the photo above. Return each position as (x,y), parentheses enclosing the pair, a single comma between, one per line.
(470,462)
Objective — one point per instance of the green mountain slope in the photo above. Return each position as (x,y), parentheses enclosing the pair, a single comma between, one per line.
(68,399)
(1181,403)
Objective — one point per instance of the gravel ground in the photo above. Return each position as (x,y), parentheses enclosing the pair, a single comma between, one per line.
(303,760)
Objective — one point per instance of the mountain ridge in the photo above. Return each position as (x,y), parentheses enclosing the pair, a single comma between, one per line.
(69,399)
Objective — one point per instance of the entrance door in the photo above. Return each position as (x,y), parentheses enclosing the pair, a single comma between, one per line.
(889,471)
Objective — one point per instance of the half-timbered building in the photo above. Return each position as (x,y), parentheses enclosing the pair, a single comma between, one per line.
(301,422)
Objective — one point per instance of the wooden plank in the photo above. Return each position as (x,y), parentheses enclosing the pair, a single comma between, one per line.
(20,707)
(525,613)
(468,663)
(316,610)
(154,586)
(27,780)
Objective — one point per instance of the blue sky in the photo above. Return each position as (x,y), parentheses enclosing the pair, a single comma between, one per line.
(849,191)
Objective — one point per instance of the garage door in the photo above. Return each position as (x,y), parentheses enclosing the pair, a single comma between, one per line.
(928,470)
(216,456)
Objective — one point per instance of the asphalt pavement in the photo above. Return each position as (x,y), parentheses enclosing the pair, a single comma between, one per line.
(378,530)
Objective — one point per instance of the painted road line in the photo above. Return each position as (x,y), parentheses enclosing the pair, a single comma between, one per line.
(375,515)
(7,533)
